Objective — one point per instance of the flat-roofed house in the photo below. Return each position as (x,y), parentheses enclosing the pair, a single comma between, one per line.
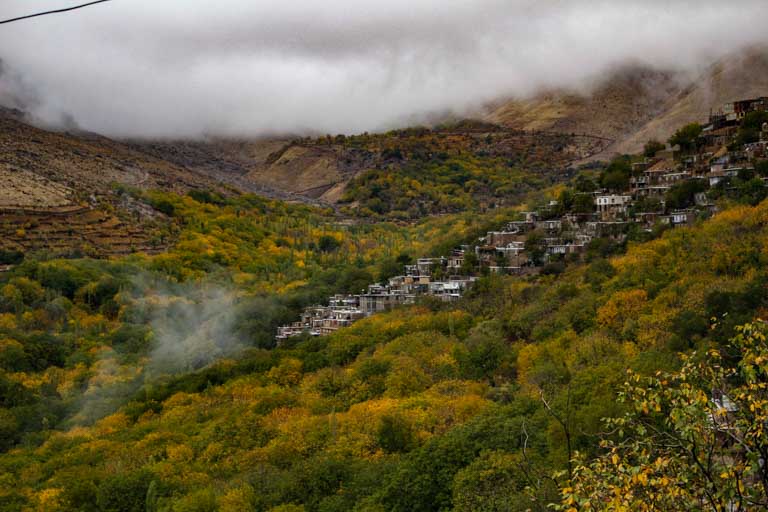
(612,205)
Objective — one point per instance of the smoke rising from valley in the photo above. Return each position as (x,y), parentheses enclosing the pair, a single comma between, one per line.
(246,68)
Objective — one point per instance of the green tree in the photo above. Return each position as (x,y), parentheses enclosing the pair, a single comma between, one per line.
(389,268)
(126,492)
(328,243)
(687,137)
(485,349)
(470,264)
(583,203)
(164,206)
(683,195)
(584,183)
(761,168)
(534,246)
(395,434)
(647,204)
(565,200)
(751,191)
(494,482)
(750,128)
(652,147)
(616,176)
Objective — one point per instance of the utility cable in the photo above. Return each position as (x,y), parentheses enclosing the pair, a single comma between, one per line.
(52,12)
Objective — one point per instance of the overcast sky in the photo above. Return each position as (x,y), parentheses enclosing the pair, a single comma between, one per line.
(249,67)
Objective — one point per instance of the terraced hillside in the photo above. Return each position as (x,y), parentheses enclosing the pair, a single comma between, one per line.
(61,192)
(74,230)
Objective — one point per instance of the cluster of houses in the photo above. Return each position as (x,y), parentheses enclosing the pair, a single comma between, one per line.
(559,235)
(714,161)
(420,279)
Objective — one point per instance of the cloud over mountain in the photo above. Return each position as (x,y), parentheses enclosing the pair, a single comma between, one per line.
(193,67)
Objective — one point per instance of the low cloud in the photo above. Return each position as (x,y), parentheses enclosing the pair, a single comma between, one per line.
(189,68)
(190,326)
(193,328)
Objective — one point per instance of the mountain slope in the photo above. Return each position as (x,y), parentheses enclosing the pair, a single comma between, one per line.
(738,77)
(61,192)
(85,164)
(624,101)
(634,104)
(320,169)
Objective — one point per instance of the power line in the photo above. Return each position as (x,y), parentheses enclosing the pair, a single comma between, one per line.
(52,12)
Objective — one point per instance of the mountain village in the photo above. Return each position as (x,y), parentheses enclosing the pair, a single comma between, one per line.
(539,240)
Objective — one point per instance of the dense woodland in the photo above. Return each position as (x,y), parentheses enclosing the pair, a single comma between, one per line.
(460,167)
(154,383)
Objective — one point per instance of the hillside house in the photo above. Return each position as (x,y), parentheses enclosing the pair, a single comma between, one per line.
(716,177)
(680,218)
(513,253)
(639,167)
(500,238)
(652,182)
(647,219)
(455,261)
(638,186)
(520,227)
(551,226)
(531,216)
(344,301)
(739,109)
(503,251)
(613,205)
(606,229)
(345,310)
(428,265)
(451,290)
(557,248)
(671,178)
(381,298)
(336,319)
(757,149)
(717,135)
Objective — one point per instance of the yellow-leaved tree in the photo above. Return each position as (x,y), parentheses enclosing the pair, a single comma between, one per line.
(695,439)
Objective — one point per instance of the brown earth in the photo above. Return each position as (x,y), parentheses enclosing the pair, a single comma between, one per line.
(739,77)
(635,104)
(619,105)
(74,231)
(82,165)
(57,191)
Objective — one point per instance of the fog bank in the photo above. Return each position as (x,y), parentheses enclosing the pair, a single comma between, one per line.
(189,68)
